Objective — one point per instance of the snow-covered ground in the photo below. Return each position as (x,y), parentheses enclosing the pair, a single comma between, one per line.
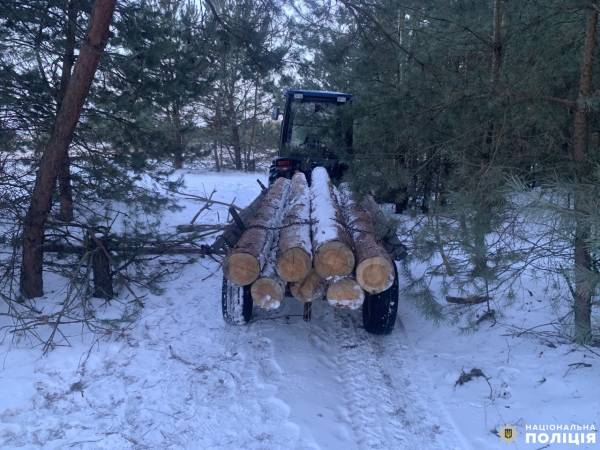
(181,378)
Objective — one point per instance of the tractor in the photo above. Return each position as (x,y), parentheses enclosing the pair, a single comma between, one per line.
(316,131)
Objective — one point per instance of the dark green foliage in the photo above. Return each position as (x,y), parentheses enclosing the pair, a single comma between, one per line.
(429,120)
(158,71)
(457,115)
(451,106)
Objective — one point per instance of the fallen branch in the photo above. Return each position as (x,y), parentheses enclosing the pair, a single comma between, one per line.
(470,300)
(203,199)
(465,377)
(199,227)
(232,231)
(143,250)
(206,206)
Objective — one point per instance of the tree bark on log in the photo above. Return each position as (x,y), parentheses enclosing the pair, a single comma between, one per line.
(232,232)
(310,289)
(332,248)
(247,259)
(345,292)
(374,268)
(31,281)
(268,290)
(385,229)
(294,259)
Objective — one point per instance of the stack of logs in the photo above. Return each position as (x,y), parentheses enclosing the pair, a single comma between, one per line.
(317,239)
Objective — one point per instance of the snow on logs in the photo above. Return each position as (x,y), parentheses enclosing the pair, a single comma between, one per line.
(374,269)
(268,290)
(318,239)
(332,248)
(245,262)
(294,258)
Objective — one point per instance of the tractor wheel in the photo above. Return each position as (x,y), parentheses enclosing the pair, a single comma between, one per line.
(236,302)
(379,310)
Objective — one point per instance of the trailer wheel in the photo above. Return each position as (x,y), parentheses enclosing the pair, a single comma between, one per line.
(236,302)
(380,310)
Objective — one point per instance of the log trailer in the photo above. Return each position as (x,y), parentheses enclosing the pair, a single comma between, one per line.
(306,237)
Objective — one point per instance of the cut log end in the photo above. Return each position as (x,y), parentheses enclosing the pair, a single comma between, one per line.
(310,289)
(294,264)
(345,292)
(375,274)
(242,268)
(334,258)
(267,293)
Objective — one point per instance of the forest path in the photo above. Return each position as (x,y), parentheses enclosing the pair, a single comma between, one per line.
(349,389)
(180,377)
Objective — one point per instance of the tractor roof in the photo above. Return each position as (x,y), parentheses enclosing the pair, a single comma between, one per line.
(316,94)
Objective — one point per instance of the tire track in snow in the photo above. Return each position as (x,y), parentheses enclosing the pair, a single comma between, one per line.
(399,350)
(385,407)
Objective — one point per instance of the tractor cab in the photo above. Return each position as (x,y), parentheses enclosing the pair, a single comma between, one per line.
(316,131)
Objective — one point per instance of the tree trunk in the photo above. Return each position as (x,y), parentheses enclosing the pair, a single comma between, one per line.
(401,57)
(345,292)
(268,291)
(179,144)
(64,177)
(56,148)
(332,246)
(385,229)
(310,289)
(496,44)
(294,259)
(237,145)
(218,129)
(245,263)
(251,165)
(232,232)
(216,156)
(489,137)
(583,258)
(235,129)
(101,270)
(65,193)
(374,267)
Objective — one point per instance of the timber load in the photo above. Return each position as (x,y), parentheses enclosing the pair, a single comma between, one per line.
(294,258)
(314,241)
(374,267)
(246,261)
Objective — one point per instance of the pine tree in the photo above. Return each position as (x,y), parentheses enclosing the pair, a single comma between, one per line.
(453,100)
(56,149)
(156,80)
